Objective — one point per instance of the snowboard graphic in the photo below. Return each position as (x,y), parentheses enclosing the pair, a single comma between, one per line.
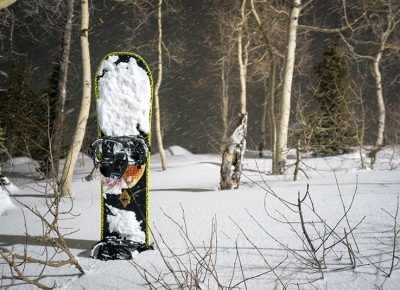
(124,90)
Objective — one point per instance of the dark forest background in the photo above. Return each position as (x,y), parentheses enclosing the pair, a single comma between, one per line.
(190,104)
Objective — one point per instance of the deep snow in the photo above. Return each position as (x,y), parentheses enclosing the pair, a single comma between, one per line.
(124,98)
(187,194)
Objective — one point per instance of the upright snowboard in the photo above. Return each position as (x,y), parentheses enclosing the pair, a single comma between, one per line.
(124,89)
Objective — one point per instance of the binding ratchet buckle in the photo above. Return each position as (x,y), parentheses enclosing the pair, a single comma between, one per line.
(113,154)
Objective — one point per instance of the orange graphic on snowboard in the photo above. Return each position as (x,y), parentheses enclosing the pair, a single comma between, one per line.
(133,174)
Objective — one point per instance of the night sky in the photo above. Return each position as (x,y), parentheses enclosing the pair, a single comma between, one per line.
(190,88)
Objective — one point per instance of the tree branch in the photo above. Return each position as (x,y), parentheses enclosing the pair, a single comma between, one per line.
(332,30)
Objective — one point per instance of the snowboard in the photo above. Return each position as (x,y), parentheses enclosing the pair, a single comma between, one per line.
(124,90)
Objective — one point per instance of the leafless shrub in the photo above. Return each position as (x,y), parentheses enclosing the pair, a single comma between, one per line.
(318,238)
(394,257)
(197,267)
(394,161)
(324,243)
(56,252)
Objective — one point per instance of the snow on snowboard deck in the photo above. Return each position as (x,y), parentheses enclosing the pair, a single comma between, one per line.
(124,89)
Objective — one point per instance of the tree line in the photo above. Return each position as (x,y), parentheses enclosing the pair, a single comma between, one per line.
(325,76)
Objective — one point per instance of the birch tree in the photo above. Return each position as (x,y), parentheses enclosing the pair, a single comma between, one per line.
(62,89)
(278,123)
(290,57)
(139,28)
(157,117)
(284,107)
(66,179)
(372,43)
(243,58)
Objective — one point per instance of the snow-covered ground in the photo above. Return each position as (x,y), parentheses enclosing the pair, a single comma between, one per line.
(246,234)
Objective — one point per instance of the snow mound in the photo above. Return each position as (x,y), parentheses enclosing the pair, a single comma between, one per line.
(20,161)
(176,150)
(21,165)
(6,188)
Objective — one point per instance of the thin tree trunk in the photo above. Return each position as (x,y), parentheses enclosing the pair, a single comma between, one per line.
(242,63)
(380,139)
(393,22)
(380,100)
(233,155)
(66,179)
(62,90)
(271,117)
(262,146)
(376,73)
(268,116)
(157,90)
(270,103)
(224,104)
(283,125)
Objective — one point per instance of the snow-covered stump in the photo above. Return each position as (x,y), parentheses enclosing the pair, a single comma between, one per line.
(233,155)
(6,188)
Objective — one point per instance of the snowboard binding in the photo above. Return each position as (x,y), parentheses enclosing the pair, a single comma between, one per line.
(113,154)
(116,248)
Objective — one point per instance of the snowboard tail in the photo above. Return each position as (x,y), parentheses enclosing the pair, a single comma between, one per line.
(124,90)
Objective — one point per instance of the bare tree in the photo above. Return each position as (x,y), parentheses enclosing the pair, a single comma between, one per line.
(224,48)
(288,72)
(66,179)
(284,107)
(280,77)
(269,104)
(372,42)
(62,88)
(56,18)
(243,58)
(144,10)
(225,74)
(157,88)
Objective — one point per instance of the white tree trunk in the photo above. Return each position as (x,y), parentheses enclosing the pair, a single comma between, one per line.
(157,90)
(233,155)
(376,73)
(242,62)
(380,100)
(283,124)
(66,179)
